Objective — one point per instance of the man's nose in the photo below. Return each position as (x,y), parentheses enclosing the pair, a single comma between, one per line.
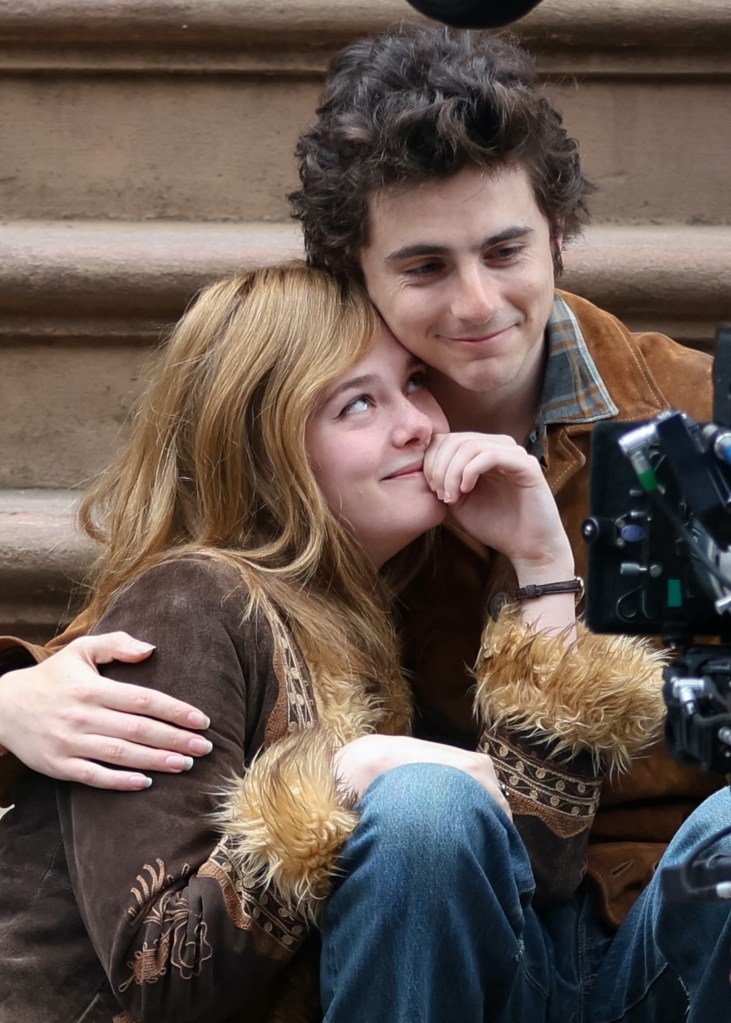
(476,297)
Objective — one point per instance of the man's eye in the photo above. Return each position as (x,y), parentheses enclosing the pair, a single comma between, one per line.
(360,404)
(505,254)
(423,270)
(417,380)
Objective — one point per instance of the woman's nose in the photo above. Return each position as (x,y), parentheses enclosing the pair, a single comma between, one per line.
(412,426)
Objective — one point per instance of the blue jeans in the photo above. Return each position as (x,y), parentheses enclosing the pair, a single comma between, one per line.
(432,922)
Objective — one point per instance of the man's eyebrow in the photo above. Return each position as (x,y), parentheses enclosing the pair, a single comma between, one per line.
(424,249)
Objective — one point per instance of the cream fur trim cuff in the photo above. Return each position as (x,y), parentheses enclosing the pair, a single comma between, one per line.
(601,694)
(287,820)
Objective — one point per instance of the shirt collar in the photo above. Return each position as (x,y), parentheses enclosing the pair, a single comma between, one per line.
(573,390)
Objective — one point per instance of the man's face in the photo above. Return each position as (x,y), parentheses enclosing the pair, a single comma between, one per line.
(461,270)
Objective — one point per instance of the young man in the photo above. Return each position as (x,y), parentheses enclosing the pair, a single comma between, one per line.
(438,173)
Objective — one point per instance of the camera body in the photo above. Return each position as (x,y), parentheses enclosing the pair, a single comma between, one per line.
(659,563)
(659,529)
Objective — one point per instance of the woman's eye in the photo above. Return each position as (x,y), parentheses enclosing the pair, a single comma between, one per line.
(360,404)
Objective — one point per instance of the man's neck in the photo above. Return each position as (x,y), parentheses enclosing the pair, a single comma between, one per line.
(503,411)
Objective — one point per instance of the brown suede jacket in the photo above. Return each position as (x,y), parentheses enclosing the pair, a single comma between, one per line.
(196,899)
(639,812)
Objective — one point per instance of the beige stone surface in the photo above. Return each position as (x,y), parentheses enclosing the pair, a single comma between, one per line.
(658,151)
(137,147)
(220,148)
(82,306)
(42,561)
(188,33)
(147,148)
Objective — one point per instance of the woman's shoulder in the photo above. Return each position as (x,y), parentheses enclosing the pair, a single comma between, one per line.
(192,575)
(189,588)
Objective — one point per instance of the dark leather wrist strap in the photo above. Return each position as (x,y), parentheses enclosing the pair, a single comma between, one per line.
(535,590)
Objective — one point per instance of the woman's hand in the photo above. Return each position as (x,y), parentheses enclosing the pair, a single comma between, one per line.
(60,717)
(361,761)
(497,492)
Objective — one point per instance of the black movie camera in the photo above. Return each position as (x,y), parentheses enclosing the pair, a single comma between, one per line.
(660,563)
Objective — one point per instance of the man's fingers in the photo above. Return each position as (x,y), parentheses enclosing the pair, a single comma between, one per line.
(86,772)
(117,752)
(137,700)
(116,728)
(110,646)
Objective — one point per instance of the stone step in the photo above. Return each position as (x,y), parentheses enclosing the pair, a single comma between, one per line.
(103,280)
(150,109)
(107,280)
(184,34)
(82,305)
(43,557)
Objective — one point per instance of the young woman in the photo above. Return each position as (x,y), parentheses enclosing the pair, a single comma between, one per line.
(283,472)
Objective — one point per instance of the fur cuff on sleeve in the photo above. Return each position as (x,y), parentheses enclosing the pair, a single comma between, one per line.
(601,694)
(287,821)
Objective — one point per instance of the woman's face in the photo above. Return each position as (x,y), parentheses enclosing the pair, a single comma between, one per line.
(366,442)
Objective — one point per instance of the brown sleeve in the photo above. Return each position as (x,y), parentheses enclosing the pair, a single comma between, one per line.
(178,929)
(555,719)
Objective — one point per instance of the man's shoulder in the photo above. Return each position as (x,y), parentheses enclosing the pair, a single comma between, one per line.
(644,371)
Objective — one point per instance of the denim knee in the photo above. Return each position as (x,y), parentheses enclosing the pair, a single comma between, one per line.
(671,960)
(435,821)
(433,901)
(707,820)
(433,804)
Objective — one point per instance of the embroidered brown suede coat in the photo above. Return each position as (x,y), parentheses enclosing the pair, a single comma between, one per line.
(640,811)
(197,899)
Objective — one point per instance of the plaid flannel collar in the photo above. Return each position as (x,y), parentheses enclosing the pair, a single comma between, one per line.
(573,390)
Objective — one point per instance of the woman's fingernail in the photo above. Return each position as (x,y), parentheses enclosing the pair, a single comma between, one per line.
(143,647)
(178,763)
(199,746)
(198,720)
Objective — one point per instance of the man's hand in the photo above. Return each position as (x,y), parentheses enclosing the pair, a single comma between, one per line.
(60,717)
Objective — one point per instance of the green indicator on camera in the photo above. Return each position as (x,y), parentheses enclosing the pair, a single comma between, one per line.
(648,480)
(674,593)
(643,468)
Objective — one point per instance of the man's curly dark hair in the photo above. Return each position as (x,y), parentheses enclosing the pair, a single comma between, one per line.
(419,103)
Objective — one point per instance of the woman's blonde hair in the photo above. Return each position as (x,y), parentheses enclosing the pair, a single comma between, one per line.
(216,465)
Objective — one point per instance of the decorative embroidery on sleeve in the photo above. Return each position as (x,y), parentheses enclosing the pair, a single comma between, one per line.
(275,931)
(538,788)
(173,943)
(288,669)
